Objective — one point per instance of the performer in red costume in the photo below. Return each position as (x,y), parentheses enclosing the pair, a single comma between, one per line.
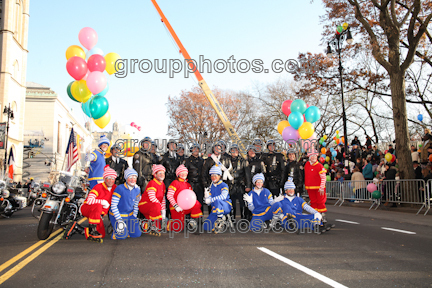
(315,180)
(177,213)
(95,207)
(152,204)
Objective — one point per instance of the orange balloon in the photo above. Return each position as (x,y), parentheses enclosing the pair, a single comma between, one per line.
(282,125)
(430,158)
(323,150)
(342,139)
(334,138)
(337,141)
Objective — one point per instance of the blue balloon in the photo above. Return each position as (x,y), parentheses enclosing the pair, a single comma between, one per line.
(295,119)
(334,153)
(331,149)
(324,144)
(104,92)
(94,50)
(312,114)
(85,107)
(323,155)
(298,105)
(420,117)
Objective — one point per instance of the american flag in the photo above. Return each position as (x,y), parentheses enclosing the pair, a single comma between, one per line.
(71,151)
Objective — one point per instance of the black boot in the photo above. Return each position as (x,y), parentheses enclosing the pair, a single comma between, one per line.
(327,225)
(93,234)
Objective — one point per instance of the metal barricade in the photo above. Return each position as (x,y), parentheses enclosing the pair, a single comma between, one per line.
(357,191)
(334,191)
(428,195)
(413,191)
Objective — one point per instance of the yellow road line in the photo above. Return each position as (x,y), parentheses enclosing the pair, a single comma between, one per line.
(23,263)
(31,248)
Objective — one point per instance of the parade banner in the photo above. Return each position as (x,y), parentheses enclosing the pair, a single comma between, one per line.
(2,135)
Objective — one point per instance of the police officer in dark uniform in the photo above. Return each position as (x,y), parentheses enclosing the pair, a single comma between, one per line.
(223,149)
(295,170)
(153,153)
(142,163)
(275,168)
(194,163)
(237,185)
(180,153)
(257,143)
(117,163)
(209,162)
(170,161)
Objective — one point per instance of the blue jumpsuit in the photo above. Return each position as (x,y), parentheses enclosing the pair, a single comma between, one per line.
(295,208)
(124,206)
(263,208)
(97,165)
(220,202)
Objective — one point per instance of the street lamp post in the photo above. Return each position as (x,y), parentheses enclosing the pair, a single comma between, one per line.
(343,33)
(7,110)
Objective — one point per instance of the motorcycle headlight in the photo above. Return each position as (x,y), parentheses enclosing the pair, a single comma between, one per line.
(6,193)
(58,187)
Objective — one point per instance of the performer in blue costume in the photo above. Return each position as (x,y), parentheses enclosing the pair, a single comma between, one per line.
(293,208)
(97,162)
(262,205)
(124,207)
(218,197)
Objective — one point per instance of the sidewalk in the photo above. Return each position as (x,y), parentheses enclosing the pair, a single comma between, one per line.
(400,214)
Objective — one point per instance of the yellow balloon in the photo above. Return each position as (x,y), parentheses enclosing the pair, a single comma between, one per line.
(325,137)
(282,125)
(337,131)
(388,157)
(327,159)
(80,91)
(110,60)
(103,121)
(345,26)
(306,130)
(75,50)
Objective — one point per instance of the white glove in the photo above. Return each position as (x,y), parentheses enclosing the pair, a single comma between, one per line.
(121,225)
(208,200)
(278,198)
(105,204)
(318,216)
(178,209)
(206,193)
(248,198)
(163,213)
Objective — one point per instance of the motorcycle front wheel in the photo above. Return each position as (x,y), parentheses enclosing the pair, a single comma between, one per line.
(45,226)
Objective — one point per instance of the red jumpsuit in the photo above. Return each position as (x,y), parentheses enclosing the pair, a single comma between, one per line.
(153,201)
(315,178)
(92,207)
(173,190)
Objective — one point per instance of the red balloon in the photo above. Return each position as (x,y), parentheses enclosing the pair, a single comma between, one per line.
(286,107)
(393,158)
(96,62)
(385,152)
(76,67)
(322,160)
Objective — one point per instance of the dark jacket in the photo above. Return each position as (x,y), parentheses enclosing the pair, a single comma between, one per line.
(275,170)
(120,166)
(194,165)
(208,163)
(255,166)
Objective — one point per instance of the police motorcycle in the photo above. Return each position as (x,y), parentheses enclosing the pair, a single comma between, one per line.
(10,199)
(62,202)
(34,193)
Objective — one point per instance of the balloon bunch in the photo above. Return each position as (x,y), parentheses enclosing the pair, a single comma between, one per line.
(136,126)
(338,139)
(389,157)
(300,119)
(90,85)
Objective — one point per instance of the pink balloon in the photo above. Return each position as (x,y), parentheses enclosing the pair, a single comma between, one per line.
(286,107)
(96,82)
(186,199)
(133,123)
(371,187)
(88,37)
(76,67)
(139,128)
(290,135)
(96,62)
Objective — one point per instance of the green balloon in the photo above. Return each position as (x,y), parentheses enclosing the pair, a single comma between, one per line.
(376,194)
(328,178)
(98,107)
(339,28)
(68,89)
(326,166)
(337,136)
(298,105)
(420,145)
